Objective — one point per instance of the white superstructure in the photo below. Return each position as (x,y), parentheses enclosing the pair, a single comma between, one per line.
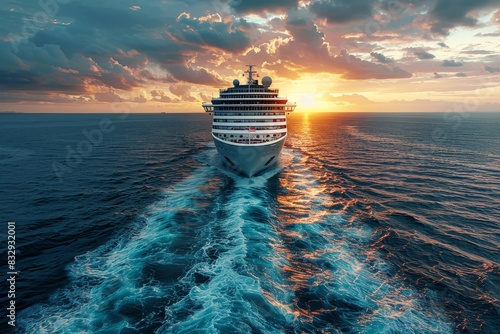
(249,124)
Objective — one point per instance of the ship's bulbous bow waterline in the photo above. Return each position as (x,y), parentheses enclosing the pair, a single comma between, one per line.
(249,124)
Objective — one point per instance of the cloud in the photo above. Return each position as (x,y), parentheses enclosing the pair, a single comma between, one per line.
(353,68)
(179,90)
(451,63)
(490,34)
(306,51)
(157,93)
(477,52)
(422,54)
(353,98)
(448,14)
(182,91)
(492,69)
(43,68)
(381,58)
(139,99)
(461,75)
(496,18)
(40,96)
(160,96)
(205,98)
(29,81)
(200,76)
(113,47)
(228,36)
(282,70)
(108,97)
(337,12)
(437,75)
(262,6)
(107,50)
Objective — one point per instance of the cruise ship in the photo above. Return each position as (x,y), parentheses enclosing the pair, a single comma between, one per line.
(249,124)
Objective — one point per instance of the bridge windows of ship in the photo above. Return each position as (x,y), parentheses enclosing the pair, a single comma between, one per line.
(249,120)
(232,108)
(219,102)
(250,114)
(263,96)
(223,127)
(247,90)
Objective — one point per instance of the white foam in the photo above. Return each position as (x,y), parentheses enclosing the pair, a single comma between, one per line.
(234,265)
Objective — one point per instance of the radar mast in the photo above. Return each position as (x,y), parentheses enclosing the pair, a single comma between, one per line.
(250,74)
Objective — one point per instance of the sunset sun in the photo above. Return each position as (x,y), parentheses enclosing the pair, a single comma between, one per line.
(307,102)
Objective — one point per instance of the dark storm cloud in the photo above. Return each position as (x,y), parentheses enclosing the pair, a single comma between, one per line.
(227,36)
(44,68)
(20,80)
(260,6)
(105,43)
(48,68)
(34,96)
(381,58)
(197,76)
(108,16)
(451,63)
(336,12)
(304,31)
(448,14)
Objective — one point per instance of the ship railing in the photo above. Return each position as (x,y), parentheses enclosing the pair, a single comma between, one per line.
(251,141)
(248,90)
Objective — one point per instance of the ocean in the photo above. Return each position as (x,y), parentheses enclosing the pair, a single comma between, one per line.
(369,223)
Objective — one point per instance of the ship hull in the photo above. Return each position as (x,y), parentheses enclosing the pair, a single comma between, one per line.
(249,160)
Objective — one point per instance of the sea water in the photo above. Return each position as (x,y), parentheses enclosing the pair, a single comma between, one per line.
(369,223)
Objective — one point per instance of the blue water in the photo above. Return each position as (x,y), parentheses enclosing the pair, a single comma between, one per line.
(370,223)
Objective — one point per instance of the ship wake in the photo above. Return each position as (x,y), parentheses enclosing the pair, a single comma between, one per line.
(223,253)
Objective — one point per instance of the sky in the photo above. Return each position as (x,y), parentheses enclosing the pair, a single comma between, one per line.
(326,55)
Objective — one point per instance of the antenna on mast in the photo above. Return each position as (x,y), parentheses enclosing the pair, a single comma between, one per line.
(250,73)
